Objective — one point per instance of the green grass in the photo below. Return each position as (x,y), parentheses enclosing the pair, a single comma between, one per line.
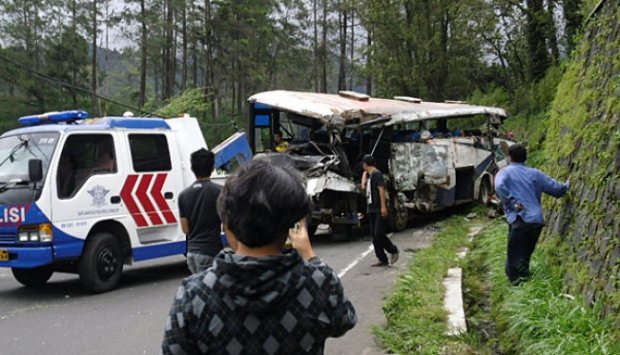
(537,317)
(415,315)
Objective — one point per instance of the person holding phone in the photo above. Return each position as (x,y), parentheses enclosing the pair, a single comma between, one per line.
(260,298)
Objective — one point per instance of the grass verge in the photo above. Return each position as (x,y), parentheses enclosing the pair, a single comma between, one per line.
(415,315)
(537,317)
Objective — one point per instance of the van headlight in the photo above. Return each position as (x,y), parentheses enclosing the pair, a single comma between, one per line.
(36,233)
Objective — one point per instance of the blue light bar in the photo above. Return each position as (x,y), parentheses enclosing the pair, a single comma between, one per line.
(52,117)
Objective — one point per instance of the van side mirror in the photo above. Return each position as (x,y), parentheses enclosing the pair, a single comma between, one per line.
(35,170)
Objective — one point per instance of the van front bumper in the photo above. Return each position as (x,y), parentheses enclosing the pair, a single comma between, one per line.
(25,257)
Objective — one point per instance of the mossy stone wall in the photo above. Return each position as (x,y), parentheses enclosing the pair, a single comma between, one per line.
(583,143)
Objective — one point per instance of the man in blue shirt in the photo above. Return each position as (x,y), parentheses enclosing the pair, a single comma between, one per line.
(520,187)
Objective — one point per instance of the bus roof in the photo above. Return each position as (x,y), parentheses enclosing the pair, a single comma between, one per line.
(355,108)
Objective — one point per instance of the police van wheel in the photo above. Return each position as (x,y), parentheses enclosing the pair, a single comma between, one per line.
(101,264)
(33,277)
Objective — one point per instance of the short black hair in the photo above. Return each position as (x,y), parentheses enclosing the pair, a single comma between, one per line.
(517,153)
(369,160)
(202,162)
(261,201)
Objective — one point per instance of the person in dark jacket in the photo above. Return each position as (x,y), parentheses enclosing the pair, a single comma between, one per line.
(520,188)
(261,299)
(199,218)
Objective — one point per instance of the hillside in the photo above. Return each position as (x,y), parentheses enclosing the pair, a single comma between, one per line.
(583,143)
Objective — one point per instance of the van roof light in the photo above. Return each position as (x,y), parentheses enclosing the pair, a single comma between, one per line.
(354,95)
(53,117)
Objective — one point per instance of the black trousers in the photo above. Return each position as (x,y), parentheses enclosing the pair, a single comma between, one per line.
(522,239)
(379,240)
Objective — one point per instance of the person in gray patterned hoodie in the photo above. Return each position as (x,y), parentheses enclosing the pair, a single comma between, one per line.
(260,299)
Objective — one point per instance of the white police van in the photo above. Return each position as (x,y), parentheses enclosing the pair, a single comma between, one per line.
(91,195)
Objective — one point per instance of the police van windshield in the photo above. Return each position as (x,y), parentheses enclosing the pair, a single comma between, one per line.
(15,153)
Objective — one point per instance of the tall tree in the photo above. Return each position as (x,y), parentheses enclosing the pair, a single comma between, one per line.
(536,39)
(573,16)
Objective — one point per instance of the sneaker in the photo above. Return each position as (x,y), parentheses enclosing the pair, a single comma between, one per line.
(394,258)
(379,263)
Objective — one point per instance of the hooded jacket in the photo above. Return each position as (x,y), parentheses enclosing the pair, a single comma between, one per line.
(268,305)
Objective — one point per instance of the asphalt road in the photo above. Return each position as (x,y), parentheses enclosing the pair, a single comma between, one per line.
(62,318)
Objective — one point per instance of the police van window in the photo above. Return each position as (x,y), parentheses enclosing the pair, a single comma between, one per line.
(83,156)
(149,152)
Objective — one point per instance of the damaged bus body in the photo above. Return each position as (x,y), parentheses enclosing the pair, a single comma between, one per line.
(429,158)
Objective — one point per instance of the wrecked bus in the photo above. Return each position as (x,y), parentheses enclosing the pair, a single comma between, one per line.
(433,155)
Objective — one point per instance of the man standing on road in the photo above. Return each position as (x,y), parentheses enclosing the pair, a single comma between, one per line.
(199,219)
(373,184)
(520,188)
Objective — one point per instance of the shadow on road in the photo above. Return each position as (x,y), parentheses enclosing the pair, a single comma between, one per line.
(70,286)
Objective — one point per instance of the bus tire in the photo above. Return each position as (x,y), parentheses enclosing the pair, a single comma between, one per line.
(485,191)
(399,217)
(101,264)
(33,277)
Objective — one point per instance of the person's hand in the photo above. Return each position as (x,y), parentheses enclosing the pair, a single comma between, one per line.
(300,240)
(384,212)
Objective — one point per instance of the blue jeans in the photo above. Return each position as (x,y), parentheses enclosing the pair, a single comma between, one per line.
(198,262)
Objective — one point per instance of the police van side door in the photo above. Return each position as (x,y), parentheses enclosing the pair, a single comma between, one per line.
(149,194)
(85,178)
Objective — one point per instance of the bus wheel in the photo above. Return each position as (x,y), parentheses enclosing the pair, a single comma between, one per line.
(485,191)
(341,233)
(33,277)
(399,217)
(101,263)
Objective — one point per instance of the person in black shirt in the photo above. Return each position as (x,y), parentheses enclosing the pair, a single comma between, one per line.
(199,219)
(373,184)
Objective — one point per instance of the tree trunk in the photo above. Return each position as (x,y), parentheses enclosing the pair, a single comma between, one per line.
(573,17)
(94,61)
(552,36)
(143,55)
(369,63)
(184,44)
(315,44)
(324,50)
(352,45)
(535,33)
(169,55)
(342,22)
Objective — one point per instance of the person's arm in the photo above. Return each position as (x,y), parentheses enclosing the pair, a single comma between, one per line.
(364,180)
(185,226)
(177,334)
(384,210)
(341,311)
(508,200)
(553,187)
(382,198)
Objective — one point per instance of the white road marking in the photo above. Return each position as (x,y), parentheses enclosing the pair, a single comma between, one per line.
(358,259)
(355,262)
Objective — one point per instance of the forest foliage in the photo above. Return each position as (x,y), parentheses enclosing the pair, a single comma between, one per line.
(107,56)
